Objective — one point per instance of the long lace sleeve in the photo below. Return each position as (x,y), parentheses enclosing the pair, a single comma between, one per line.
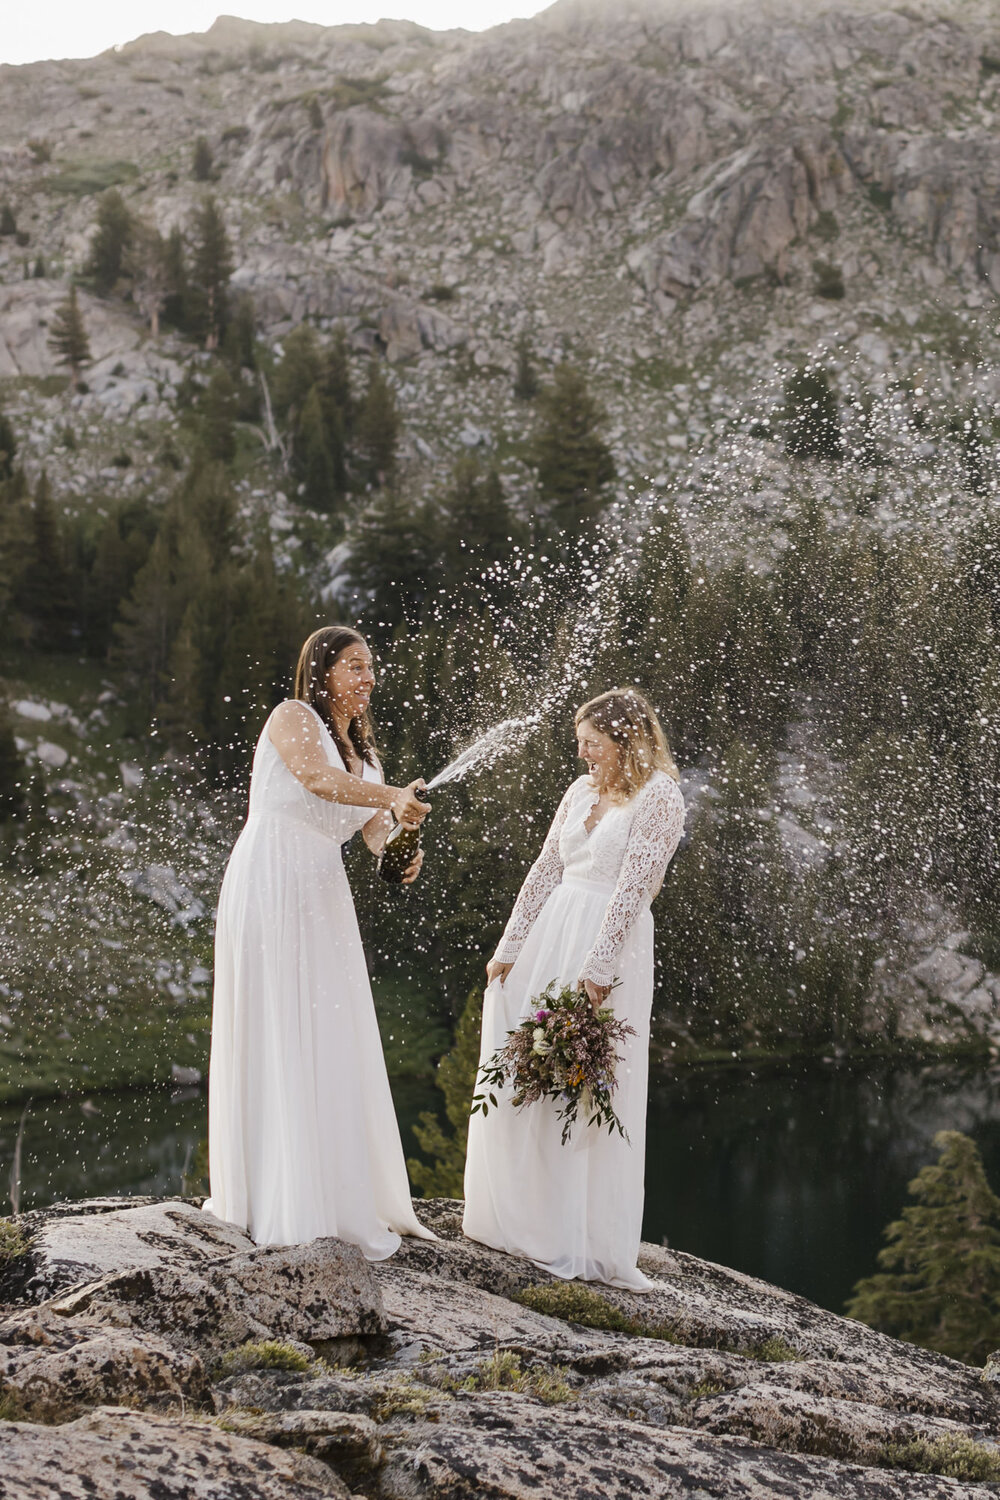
(655,833)
(539,883)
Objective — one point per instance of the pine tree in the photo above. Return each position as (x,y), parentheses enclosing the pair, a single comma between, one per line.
(177,290)
(202,161)
(218,408)
(8,223)
(68,338)
(525,376)
(812,420)
(13,773)
(145,260)
(574,463)
(479,530)
(312,460)
(391,555)
(180,712)
(38,270)
(941,1284)
(377,429)
(240,343)
(8,447)
(110,241)
(211,268)
(300,368)
(44,593)
(442,1176)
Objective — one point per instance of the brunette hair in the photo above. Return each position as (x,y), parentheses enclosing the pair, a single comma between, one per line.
(626,717)
(317,656)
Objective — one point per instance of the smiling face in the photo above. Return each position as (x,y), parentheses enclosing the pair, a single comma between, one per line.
(350,681)
(601,754)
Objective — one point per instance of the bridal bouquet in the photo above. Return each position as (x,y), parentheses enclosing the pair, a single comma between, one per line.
(562,1051)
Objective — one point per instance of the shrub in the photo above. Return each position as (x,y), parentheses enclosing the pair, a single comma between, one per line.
(13,1242)
(269,1354)
(829,280)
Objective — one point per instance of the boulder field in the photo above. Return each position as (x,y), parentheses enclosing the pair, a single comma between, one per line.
(148,1350)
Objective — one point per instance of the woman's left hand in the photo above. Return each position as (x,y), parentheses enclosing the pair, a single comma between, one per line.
(596,993)
(414,870)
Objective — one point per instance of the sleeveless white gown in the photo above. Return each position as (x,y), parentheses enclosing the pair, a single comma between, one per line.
(303,1140)
(583,912)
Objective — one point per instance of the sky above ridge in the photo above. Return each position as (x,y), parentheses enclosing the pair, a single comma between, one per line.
(65,28)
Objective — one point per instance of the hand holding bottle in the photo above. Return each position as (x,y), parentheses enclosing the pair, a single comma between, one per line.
(407,807)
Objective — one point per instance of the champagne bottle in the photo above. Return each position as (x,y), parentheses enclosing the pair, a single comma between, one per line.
(398,853)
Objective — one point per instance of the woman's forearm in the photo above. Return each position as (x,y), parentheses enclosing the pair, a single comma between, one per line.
(335,785)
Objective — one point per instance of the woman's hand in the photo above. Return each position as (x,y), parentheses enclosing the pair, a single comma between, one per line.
(406,805)
(412,871)
(496,970)
(596,993)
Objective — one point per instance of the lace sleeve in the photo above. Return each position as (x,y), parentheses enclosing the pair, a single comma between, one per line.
(655,833)
(539,883)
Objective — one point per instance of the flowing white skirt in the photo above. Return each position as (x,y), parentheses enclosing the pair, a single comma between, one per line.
(303,1139)
(575,1210)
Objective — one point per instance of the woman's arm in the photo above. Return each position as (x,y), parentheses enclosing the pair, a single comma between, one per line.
(655,833)
(296,735)
(539,883)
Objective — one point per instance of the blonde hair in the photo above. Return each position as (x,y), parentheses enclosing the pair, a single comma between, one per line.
(628,719)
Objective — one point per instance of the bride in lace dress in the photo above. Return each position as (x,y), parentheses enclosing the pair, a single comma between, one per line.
(582,917)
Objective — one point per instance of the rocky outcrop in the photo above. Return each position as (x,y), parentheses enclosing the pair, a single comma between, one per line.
(457,1383)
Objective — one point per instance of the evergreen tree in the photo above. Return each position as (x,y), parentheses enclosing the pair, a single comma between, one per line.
(240,343)
(8,447)
(218,429)
(68,338)
(335,381)
(940,1287)
(211,268)
(13,773)
(8,223)
(525,376)
(202,162)
(812,421)
(145,260)
(479,530)
(109,242)
(44,592)
(442,1176)
(177,290)
(299,370)
(377,429)
(38,271)
(391,555)
(180,712)
(574,463)
(312,460)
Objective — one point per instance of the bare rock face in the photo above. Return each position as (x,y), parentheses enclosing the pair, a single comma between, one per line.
(714,1383)
(114,1454)
(51,1366)
(71,1248)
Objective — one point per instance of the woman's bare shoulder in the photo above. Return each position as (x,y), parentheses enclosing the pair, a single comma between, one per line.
(293,719)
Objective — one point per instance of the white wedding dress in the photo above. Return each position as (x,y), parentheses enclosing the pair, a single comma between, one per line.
(303,1140)
(583,913)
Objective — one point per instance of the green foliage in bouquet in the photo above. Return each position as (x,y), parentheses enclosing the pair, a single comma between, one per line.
(564,1050)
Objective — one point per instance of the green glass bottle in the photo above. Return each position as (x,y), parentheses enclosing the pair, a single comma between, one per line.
(398,853)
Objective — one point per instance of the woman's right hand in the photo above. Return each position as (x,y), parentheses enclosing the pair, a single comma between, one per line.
(406,805)
(496,970)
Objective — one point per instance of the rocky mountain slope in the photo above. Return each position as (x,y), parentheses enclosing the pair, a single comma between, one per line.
(686,198)
(154,1351)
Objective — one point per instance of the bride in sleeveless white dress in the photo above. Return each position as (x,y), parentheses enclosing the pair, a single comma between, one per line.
(303,1140)
(582,916)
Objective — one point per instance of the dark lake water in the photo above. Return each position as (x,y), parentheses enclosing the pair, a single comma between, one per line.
(788,1173)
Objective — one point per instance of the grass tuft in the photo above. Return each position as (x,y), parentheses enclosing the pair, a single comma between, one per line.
(13,1241)
(269,1354)
(578,1304)
(953,1457)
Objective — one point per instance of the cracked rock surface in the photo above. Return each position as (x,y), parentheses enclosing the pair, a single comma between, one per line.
(306,1371)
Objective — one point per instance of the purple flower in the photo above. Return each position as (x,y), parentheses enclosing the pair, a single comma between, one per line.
(542,1015)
